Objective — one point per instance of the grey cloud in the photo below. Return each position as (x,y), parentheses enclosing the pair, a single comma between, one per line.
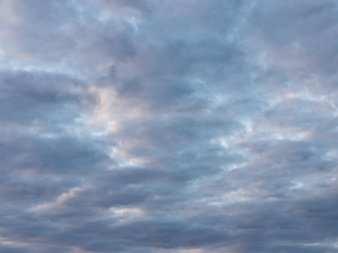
(157,234)
(303,30)
(143,6)
(58,155)
(168,126)
(32,97)
(13,250)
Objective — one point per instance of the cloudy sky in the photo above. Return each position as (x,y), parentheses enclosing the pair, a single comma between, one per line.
(168,126)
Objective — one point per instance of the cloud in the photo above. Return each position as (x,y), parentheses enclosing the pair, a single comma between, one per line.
(60,200)
(168,126)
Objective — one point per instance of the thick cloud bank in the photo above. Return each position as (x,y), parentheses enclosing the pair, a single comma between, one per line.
(168,126)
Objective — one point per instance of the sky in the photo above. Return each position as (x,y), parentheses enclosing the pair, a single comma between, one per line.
(168,126)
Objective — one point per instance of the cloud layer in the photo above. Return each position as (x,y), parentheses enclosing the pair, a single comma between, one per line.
(145,126)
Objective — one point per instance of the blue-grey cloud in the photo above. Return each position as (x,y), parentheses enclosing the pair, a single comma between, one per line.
(168,126)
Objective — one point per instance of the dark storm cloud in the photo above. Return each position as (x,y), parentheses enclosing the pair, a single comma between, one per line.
(168,126)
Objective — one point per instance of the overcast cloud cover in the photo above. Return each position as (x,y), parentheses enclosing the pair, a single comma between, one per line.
(168,126)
